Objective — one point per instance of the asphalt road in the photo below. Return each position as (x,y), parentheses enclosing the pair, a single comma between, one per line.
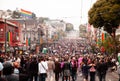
(110,76)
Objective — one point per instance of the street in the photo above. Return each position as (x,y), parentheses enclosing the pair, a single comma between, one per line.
(111,76)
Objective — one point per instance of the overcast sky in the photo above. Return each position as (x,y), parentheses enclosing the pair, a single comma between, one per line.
(73,11)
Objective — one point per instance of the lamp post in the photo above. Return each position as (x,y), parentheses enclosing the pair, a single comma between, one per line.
(5,38)
(26,34)
(47,35)
(39,36)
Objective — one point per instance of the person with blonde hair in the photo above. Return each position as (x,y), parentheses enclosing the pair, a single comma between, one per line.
(51,67)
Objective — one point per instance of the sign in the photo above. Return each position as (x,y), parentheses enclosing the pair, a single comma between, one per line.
(44,50)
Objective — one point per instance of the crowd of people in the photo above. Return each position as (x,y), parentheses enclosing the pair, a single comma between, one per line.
(63,61)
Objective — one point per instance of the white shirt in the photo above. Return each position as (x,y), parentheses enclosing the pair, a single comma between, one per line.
(42,69)
(16,71)
(1,66)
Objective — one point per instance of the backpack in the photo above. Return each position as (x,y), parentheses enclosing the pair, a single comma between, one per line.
(92,69)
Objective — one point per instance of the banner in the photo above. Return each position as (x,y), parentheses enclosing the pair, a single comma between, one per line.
(104,36)
(26,41)
(26,13)
(9,37)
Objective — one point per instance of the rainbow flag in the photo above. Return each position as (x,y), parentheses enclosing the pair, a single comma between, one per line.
(103,37)
(26,41)
(9,37)
(25,13)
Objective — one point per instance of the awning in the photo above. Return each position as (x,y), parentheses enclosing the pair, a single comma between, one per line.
(20,44)
(17,44)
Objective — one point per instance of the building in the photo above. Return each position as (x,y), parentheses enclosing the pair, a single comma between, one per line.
(55,28)
(6,14)
(9,34)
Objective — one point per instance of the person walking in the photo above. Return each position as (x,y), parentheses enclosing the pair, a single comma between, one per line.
(8,72)
(92,70)
(51,67)
(66,69)
(118,69)
(33,69)
(42,69)
(57,69)
(102,68)
(74,67)
(1,69)
(85,69)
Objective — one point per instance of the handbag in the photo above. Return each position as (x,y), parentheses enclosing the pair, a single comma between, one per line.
(45,69)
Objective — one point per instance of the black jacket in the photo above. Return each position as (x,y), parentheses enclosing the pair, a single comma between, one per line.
(102,67)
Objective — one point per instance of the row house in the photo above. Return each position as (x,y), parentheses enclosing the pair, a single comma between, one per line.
(29,32)
(6,14)
(55,27)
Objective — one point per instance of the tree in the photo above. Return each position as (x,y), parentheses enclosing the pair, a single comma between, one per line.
(118,43)
(9,10)
(16,14)
(106,14)
(33,15)
(108,44)
(69,27)
(82,30)
(42,19)
(61,33)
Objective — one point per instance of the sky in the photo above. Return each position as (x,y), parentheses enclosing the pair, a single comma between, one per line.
(71,11)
